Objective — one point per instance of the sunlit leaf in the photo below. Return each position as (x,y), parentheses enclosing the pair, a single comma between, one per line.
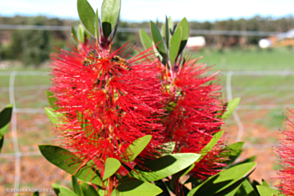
(87,16)
(111,166)
(69,162)
(109,15)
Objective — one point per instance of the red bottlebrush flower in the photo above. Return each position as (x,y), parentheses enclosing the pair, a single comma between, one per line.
(191,117)
(108,102)
(286,157)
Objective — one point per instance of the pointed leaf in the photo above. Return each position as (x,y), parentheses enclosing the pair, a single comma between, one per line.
(5,117)
(135,188)
(231,106)
(1,142)
(51,99)
(222,180)
(74,38)
(163,187)
(170,25)
(165,166)
(266,191)
(264,183)
(69,162)
(96,25)
(76,186)
(87,16)
(212,143)
(231,190)
(182,173)
(81,32)
(137,147)
(111,166)
(56,188)
(145,39)
(184,25)
(246,189)
(232,151)
(175,44)
(89,190)
(109,15)
(158,40)
(66,192)
(166,31)
(54,117)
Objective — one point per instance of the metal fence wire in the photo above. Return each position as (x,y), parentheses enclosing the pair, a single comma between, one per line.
(265,95)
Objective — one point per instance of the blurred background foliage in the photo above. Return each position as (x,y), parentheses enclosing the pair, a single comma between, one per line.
(32,47)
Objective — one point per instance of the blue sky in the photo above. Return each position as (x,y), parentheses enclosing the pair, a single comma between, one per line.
(145,10)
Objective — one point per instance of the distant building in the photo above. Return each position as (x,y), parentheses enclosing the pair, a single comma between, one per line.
(194,43)
(281,39)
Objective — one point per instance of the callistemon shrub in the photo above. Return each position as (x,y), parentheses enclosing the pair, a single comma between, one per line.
(107,102)
(192,113)
(193,109)
(286,157)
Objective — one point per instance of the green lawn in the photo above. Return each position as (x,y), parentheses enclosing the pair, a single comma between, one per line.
(248,60)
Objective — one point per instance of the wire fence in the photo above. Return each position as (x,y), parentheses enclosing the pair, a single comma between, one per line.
(265,95)
(137,30)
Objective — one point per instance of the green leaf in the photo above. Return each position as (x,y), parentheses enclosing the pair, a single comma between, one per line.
(36,193)
(89,190)
(167,148)
(51,99)
(231,190)
(184,25)
(166,31)
(69,162)
(5,117)
(1,142)
(158,40)
(54,117)
(222,180)
(250,159)
(109,15)
(66,192)
(135,188)
(76,186)
(266,191)
(170,25)
(87,16)
(211,144)
(165,166)
(137,147)
(163,187)
(232,151)
(56,188)
(96,25)
(74,38)
(246,189)
(111,166)
(175,44)
(182,173)
(264,183)
(231,106)
(145,39)
(81,32)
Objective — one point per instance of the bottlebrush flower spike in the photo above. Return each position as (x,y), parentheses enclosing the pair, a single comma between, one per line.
(108,102)
(286,157)
(191,118)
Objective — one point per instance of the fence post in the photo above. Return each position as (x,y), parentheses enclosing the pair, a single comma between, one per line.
(235,114)
(14,131)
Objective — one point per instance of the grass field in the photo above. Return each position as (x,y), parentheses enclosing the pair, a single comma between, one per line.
(248,60)
(260,125)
